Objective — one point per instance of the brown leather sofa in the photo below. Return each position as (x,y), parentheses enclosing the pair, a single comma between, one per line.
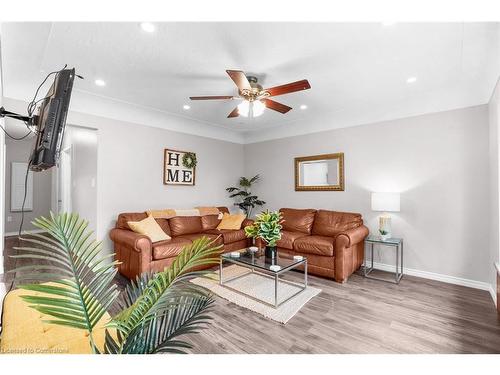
(332,242)
(137,254)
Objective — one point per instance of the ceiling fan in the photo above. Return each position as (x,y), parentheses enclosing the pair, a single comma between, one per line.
(255,98)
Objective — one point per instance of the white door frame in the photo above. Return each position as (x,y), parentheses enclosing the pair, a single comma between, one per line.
(2,167)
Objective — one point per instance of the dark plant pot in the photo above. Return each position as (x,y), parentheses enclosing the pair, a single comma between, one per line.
(271,254)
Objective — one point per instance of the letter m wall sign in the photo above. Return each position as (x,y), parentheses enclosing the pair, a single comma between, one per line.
(174,173)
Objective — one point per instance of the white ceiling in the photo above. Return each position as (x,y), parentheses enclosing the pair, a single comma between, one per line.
(357,71)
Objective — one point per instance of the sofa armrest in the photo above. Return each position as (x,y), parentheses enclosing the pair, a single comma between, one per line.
(349,252)
(351,237)
(138,242)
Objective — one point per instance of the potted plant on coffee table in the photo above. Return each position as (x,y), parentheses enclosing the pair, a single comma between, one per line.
(267,226)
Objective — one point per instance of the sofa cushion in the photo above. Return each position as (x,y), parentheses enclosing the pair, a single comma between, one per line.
(123,219)
(210,210)
(231,222)
(169,248)
(192,237)
(318,245)
(331,223)
(149,227)
(287,239)
(181,225)
(223,209)
(295,220)
(209,222)
(26,330)
(163,223)
(228,235)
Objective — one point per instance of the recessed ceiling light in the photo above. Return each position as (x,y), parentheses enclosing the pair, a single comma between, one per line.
(148,27)
(186,107)
(303,106)
(100,82)
(412,80)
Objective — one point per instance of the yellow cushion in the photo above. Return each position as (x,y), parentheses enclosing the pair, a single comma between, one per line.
(231,221)
(167,213)
(149,227)
(204,211)
(24,331)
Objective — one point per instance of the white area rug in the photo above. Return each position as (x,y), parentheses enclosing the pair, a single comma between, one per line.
(260,287)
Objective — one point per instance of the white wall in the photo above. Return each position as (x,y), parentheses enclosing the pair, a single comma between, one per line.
(494,124)
(130,162)
(439,163)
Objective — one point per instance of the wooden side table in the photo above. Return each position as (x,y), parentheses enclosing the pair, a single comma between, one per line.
(396,243)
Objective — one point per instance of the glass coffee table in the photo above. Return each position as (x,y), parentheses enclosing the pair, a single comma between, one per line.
(257,263)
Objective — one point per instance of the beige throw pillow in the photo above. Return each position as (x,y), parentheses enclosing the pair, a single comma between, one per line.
(231,221)
(149,227)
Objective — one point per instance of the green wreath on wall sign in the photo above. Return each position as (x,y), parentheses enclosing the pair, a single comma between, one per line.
(189,160)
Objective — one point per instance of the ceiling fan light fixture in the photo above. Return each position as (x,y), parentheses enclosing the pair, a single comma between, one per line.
(251,109)
(258,108)
(244,108)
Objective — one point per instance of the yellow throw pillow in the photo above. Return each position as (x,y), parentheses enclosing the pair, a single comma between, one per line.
(162,214)
(204,211)
(231,221)
(150,228)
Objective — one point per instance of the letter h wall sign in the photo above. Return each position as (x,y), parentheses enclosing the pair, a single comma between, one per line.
(174,172)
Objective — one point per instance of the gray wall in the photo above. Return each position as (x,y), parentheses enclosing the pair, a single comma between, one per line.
(439,163)
(494,124)
(19,151)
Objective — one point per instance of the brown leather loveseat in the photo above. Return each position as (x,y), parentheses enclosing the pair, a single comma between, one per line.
(137,254)
(332,242)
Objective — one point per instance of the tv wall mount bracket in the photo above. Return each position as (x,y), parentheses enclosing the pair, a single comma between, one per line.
(5,113)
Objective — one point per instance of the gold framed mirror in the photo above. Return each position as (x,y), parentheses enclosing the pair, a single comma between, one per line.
(320,172)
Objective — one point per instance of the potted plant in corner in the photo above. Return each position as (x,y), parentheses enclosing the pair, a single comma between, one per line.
(267,226)
(246,201)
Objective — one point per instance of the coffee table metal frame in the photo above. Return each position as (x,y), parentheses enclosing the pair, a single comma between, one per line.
(269,274)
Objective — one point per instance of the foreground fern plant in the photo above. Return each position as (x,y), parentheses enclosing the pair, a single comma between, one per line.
(157,308)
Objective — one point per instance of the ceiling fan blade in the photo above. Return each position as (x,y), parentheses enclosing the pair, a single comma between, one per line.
(220,97)
(240,79)
(275,106)
(288,88)
(234,113)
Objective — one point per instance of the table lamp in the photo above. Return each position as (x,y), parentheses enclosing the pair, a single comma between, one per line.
(385,202)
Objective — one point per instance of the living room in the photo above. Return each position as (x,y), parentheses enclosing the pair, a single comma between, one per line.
(318,187)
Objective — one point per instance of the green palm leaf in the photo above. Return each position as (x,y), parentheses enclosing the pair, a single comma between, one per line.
(81,288)
(158,306)
(185,313)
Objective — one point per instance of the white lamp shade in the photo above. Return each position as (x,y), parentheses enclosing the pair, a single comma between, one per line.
(387,202)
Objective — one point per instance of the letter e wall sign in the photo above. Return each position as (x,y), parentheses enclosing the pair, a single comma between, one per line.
(174,173)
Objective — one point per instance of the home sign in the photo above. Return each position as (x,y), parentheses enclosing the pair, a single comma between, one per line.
(179,167)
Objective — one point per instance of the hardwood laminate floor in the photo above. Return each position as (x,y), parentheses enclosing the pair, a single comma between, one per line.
(361,316)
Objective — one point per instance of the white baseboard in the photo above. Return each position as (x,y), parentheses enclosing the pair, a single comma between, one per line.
(493,294)
(10,234)
(440,277)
